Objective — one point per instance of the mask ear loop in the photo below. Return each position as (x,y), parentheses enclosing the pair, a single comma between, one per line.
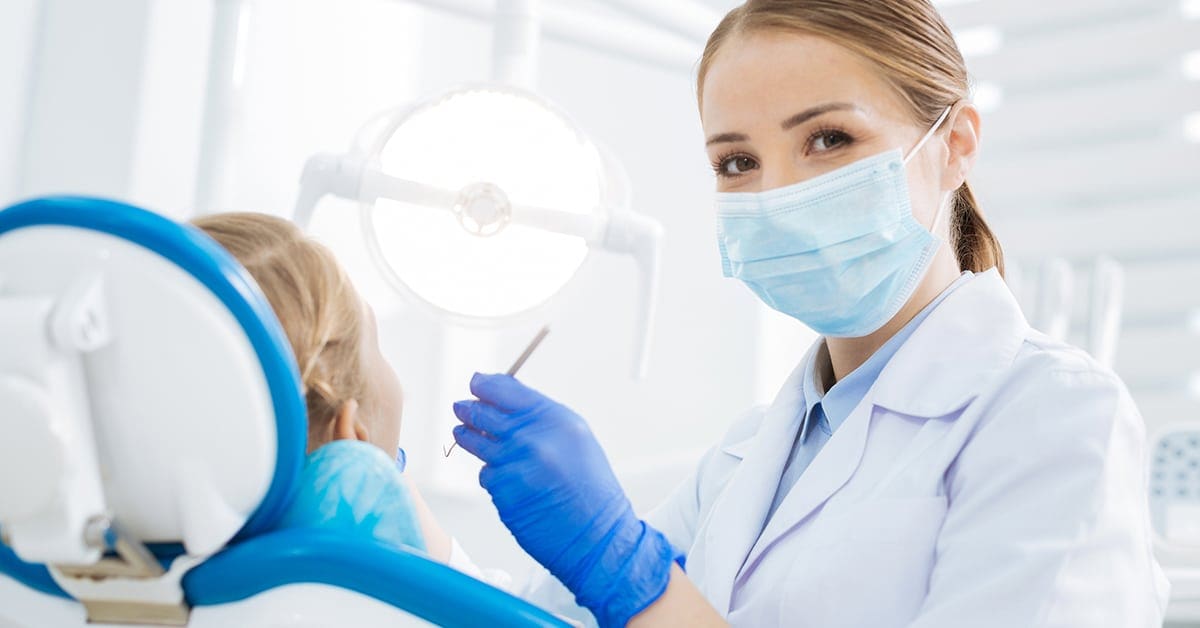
(937,219)
(928,134)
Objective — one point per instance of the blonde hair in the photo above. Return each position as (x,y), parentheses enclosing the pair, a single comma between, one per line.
(319,308)
(912,47)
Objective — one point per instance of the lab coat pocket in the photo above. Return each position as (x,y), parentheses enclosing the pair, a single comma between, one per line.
(865,565)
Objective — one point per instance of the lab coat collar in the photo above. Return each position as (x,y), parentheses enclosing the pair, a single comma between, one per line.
(972,336)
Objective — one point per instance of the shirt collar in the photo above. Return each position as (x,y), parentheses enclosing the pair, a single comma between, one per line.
(815,375)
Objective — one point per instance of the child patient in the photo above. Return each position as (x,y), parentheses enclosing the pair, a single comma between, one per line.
(351,480)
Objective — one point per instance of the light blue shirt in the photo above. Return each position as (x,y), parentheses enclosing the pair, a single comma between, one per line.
(826,411)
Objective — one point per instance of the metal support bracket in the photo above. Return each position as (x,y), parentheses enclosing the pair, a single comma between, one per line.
(127,585)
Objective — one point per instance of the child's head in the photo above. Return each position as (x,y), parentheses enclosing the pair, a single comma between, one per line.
(350,390)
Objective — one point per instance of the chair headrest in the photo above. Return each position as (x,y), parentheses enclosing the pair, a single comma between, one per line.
(185,422)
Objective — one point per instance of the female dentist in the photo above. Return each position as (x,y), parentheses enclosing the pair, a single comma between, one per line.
(932,461)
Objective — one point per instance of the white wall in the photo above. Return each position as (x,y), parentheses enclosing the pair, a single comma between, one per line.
(80,93)
(17,41)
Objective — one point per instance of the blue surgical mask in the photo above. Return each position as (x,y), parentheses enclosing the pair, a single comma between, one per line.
(840,252)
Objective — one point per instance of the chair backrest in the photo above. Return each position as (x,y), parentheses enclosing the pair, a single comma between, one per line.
(188,407)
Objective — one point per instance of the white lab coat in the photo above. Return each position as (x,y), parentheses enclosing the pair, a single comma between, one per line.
(990,477)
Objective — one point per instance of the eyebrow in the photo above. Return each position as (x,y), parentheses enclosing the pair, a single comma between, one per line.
(725,138)
(786,125)
(809,114)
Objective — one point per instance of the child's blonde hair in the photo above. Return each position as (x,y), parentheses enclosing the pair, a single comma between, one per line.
(319,308)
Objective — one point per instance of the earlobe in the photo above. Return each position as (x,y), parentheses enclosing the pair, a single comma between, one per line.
(346,423)
(963,145)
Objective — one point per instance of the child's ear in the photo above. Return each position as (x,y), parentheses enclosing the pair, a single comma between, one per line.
(346,424)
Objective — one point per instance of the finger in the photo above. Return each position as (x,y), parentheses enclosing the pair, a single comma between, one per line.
(505,392)
(482,417)
(491,475)
(487,477)
(462,409)
(477,444)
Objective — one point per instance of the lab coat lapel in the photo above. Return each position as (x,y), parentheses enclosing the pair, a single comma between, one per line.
(737,518)
(829,471)
(971,337)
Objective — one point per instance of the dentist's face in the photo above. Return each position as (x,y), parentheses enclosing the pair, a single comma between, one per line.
(779,108)
(384,403)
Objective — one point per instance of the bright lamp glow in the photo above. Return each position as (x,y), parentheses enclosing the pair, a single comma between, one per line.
(1190,9)
(515,142)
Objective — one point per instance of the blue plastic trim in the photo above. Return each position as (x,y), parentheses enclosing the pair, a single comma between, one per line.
(191,250)
(34,576)
(409,581)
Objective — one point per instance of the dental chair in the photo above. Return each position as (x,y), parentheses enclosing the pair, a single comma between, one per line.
(152,430)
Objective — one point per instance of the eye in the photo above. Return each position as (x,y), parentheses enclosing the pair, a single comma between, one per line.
(827,140)
(734,166)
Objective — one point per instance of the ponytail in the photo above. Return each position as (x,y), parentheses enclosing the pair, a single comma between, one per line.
(975,246)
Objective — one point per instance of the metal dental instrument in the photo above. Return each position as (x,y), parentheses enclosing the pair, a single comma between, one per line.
(512,371)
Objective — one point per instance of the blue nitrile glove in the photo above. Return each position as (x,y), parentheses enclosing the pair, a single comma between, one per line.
(555,491)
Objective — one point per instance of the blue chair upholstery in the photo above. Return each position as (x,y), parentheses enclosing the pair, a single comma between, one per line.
(407,580)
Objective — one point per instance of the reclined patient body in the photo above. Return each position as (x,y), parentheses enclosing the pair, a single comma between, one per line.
(353,397)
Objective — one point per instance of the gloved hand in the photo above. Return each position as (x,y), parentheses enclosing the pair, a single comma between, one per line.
(556,492)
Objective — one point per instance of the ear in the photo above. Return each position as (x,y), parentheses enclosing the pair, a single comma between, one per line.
(962,144)
(346,424)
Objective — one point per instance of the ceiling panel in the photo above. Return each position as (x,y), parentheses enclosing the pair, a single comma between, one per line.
(1025,16)
(1162,229)
(1110,50)
(1098,172)
(1117,109)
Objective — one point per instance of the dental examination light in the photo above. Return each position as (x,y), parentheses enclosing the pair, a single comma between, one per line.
(483,202)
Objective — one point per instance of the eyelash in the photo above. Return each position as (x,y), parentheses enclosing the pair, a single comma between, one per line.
(830,131)
(719,165)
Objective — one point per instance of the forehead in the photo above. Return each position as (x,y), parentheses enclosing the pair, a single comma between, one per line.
(773,74)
